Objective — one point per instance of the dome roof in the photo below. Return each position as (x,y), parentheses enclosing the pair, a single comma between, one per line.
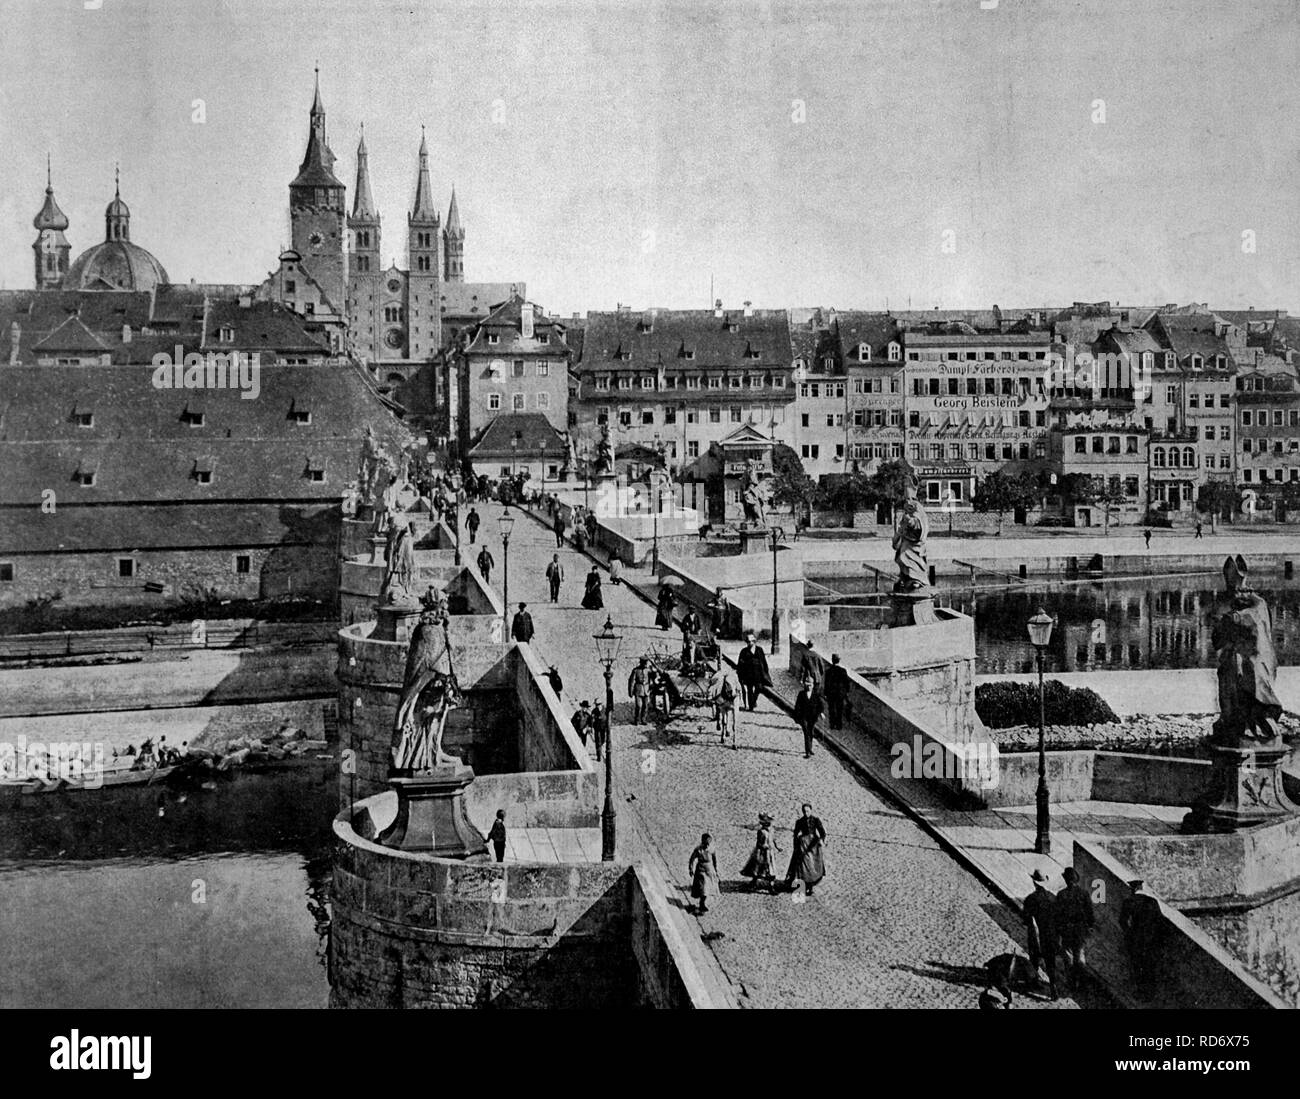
(115,265)
(50,217)
(117,208)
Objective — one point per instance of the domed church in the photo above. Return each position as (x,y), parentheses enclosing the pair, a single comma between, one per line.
(114,264)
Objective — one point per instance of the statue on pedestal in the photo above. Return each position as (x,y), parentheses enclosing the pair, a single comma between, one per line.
(1242,633)
(753,495)
(910,543)
(399,565)
(368,472)
(428,693)
(605,452)
(351,500)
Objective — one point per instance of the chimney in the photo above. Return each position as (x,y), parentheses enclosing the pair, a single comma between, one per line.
(526,320)
(126,333)
(15,340)
(749,308)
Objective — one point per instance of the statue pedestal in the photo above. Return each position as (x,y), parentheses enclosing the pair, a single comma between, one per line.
(431,816)
(754,540)
(1245,790)
(913,608)
(377,544)
(396,621)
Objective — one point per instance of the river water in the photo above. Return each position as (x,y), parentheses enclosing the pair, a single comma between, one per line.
(1117,625)
(219,902)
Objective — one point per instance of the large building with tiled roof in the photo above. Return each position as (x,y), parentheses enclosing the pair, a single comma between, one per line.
(119,489)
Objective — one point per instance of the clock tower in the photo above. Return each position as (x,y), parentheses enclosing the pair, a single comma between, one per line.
(317,214)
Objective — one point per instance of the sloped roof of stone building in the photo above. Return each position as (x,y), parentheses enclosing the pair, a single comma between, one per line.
(535,434)
(674,334)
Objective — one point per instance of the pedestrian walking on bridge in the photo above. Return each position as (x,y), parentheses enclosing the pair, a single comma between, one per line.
(472,521)
(807,863)
(703,869)
(555,577)
(836,689)
(807,710)
(485,564)
(521,629)
(1039,911)
(751,669)
(638,689)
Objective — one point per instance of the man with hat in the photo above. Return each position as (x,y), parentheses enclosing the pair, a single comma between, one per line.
(521,629)
(638,689)
(836,689)
(1075,921)
(582,720)
(1142,922)
(1040,914)
(751,670)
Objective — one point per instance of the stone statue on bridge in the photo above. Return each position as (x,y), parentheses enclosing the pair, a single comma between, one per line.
(429,693)
(753,495)
(1242,632)
(399,565)
(605,452)
(910,542)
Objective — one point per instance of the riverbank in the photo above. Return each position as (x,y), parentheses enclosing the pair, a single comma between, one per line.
(1154,734)
(1168,691)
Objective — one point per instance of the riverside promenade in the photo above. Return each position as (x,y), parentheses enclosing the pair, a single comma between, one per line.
(898,922)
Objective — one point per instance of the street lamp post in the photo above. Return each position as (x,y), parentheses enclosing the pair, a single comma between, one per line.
(1040,633)
(507,524)
(607,643)
(776,612)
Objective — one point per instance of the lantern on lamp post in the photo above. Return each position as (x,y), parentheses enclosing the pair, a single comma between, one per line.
(1040,634)
(607,643)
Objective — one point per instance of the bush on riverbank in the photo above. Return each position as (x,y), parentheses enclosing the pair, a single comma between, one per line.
(1002,704)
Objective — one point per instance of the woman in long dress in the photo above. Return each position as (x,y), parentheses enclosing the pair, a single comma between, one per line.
(806,862)
(761,865)
(667,603)
(615,571)
(591,598)
(703,869)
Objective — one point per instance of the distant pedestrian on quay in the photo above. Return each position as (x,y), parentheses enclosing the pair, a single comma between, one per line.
(751,668)
(807,863)
(667,604)
(807,711)
(599,728)
(498,835)
(836,689)
(592,600)
(1075,921)
(592,526)
(1039,910)
(703,869)
(485,564)
(1198,528)
(559,529)
(557,684)
(472,521)
(1147,535)
(761,865)
(638,689)
(521,629)
(555,577)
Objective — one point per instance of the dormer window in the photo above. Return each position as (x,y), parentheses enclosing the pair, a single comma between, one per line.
(84,419)
(84,477)
(895,351)
(687,354)
(753,353)
(302,415)
(733,327)
(1197,362)
(493,338)
(203,476)
(315,474)
(864,353)
(192,418)
(226,334)
(626,356)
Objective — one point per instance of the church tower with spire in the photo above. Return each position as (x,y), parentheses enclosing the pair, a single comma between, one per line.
(52,249)
(423,237)
(365,263)
(317,212)
(453,245)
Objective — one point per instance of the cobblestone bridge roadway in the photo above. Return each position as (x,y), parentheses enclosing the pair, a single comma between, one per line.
(897,922)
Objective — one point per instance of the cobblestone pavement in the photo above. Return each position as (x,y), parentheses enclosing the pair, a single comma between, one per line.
(896,923)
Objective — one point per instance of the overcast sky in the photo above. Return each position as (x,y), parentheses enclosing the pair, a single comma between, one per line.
(626,151)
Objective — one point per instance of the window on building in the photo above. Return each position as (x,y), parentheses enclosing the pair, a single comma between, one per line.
(647,417)
(914,452)
(1245,475)
(990,452)
(647,381)
(1245,417)
(692,415)
(811,451)
(193,419)
(715,415)
(1225,433)
(693,448)
(803,419)
(1193,400)
(543,400)
(936,452)
(1225,462)
(913,419)
(1189,457)
(126,567)
(1130,487)
(953,384)
(6,572)
(735,414)
(1006,452)
(1112,444)
(1209,433)
(517,402)
(625,417)
(543,370)
(1098,444)
(85,419)
(243,564)
(1277,417)
(670,415)
(1158,457)
(85,478)
(494,402)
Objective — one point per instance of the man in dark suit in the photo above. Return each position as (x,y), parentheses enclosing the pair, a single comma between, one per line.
(521,629)
(1074,921)
(807,709)
(1039,910)
(751,670)
(836,689)
(485,564)
(1142,922)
